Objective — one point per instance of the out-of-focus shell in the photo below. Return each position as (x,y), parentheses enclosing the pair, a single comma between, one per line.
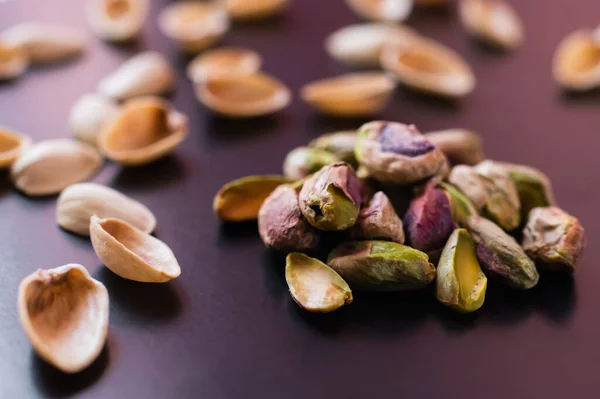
(13,61)
(492,21)
(117,20)
(224,61)
(241,10)
(89,114)
(577,60)
(12,144)
(382,10)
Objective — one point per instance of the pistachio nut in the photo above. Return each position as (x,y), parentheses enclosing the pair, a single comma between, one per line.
(460,206)
(470,183)
(576,64)
(117,20)
(460,283)
(64,313)
(332,197)
(397,153)
(246,10)
(381,266)
(554,239)
(224,61)
(500,255)
(460,146)
(79,202)
(341,144)
(13,61)
(131,253)
(12,145)
(381,10)
(304,161)
(241,199)
(315,286)
(89,115)
(378,221)
(492,21)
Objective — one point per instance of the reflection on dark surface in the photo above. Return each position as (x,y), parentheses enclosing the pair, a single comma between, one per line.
(162,172)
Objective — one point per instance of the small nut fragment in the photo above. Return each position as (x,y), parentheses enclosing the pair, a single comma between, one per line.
(304,161)
(245,10)
(460,206)
(89,114)
(224,61)
(460,146)
(131,253)
(241,199)
(12,145)
(381,266)
(492,21)
(13,61)
(500,255)
(332,197)
(460,283)
(382,10)
(117,20)
(341,144)
(554,239)
(79,202)
(397,153)
(49,166)
(64,313)
(576,64)
(378,221)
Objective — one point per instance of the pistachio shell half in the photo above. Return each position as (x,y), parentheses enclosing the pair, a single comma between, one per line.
(460,283)
(131,253)
(243,10)
(241,199)
(304,161)
(12,145)
(49,166)
(64,313)
(341,144)
(378,221)
(576,64)
(89,115)
(193,25)
(13,61)
(117,20)
(460,146)
(240,96)
(144,74)
(492,21)
(381,10)
(224,61)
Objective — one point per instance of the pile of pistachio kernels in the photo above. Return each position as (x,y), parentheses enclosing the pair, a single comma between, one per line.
(457,230)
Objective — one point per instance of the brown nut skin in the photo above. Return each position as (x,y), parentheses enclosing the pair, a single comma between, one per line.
(461,146)
(378,221)
(554,239)
(397,153)
(281,224)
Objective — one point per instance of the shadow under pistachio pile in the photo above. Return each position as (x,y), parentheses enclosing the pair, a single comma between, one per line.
(461,212)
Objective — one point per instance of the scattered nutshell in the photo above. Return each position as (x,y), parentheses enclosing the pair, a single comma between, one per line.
(315,286)
(341,144)
(44,43)
(460,206)
(460,146)
(332,197)
(492,21)
(194,26)
(224,61)
(304,161)
(12,145)
(89,115)
(130,253)
(576,64)
(381,266)
(428,66)
(500,255)
(350,95)
(381,10)
(378,221)
(64,313)
(244,10)
(117,20)
(554,239)
(397,153)
(49,166)
(460,283)
(243,96)
(241,199)
(79,202)
(147,73)
(13,61)
(145,129)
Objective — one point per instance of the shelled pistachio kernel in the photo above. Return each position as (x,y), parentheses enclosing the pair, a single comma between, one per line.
(397,153)
(460,283)
(500,255)
(315,286)
(303,161)
(378,221)
(381,266)
(554,239)
(460,146)
(332,197)
(341,144)
(241,199)
(460,206)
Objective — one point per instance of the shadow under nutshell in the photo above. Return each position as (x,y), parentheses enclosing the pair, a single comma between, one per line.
(320,123)
(479,46)
(505,305)
(231,233)
(329,324)
(5,184)
(273,266)
(571,97)
(556,296)
(220,129)
(413,96)
(160,173)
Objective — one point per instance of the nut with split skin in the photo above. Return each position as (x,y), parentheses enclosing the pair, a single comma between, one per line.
(378,221)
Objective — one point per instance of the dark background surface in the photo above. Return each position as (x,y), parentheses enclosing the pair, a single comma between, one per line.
(227,327)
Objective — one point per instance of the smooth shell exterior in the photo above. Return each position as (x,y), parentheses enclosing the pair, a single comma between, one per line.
(49,166)
(350,95)
(242,96)
(576,63)
(89,114)
(241,10)
(144,74)
(194,25)
(13,61)
(430,67)
(12,144)
(492,21)
(224,61)
(131,253)
(64,312)
(382,10)
(315,286)
(79,202)
(460,146)
(44,43)
(117,20)
(144,130)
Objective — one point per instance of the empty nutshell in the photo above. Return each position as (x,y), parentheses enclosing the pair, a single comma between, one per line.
(576,63)
(254,10)
(117,20)
(381,266)
(224,61)
(341,144)
(378,221)
(554,239)
(304,161)
(12,145)
(13,61)
(131,253)
(89,115)
(381,10)
(64,313)
(460,146)
(494,22)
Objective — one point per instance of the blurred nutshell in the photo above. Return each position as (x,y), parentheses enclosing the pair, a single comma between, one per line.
(12,145)
(460,146)
(224,61)
(13,61)
(492,21)
(576,64)
(89,115)
(341,144)
(381,10)
(253,10)
(117,20)
(304,161)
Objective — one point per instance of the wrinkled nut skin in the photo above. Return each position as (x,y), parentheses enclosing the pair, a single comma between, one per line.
(281,224)
(460,206)
(304,161)
(467,180)
(503,205)
(460,146)
(554,239)
(378,221)
(332,197)
(500,255)
(341,144)
(381,266)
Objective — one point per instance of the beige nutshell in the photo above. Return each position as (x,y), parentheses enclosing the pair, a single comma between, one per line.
(144,130)
(89,114)
(224,61)
(131,253)
(12,145)
(243,10)
(13,61)
(492,21)
(576,64)
(117,20)
(64,313)
(79,202)
(49,166)
(460,146)
(381,10)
